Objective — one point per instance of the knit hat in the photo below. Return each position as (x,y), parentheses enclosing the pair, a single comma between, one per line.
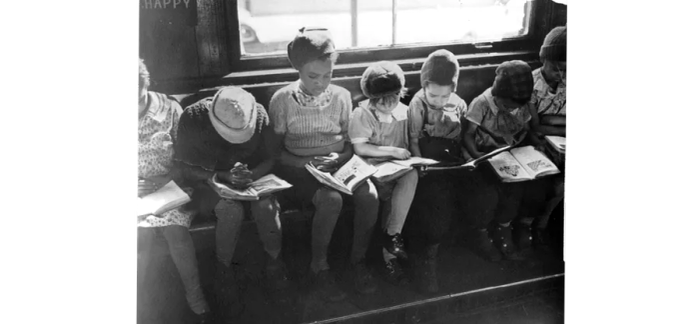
(441,67)
(513,81)
(234,114)
(382,78)
(310,44)
(554,46)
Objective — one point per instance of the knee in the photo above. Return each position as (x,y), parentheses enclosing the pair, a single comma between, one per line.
(366,193)
(176,234)
(559,188)
(327,197)
(266,206)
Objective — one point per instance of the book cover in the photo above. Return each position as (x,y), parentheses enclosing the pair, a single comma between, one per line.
(348,177)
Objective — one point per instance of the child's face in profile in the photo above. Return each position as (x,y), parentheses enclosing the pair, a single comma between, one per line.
(316,75)
(554,71)
(437,95)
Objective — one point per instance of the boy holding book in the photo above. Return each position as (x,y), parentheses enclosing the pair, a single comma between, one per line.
(435,132)
(499,117)
(310,118)
(379,131)
(228,136)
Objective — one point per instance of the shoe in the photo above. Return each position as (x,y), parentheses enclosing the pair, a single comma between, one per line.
(522,236)
(503,239)
(276,274)
(394,245)
(394,272)
(484,247)
(228,303)
(364,282)
(326,288)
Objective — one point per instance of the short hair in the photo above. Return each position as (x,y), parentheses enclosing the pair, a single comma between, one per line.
(394,98)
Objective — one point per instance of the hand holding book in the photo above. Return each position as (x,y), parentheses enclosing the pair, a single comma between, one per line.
(327,163)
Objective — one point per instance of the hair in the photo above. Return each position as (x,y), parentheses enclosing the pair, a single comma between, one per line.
(144,76)
(390,98)
(325,57)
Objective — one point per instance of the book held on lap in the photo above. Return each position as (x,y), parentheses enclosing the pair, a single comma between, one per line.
(394,169)
(522,164)
(168,197)
(469,165)
(557,142)
(259,188)
(350,176)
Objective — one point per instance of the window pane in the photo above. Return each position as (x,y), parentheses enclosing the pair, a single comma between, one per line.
(441,21)
(268,25)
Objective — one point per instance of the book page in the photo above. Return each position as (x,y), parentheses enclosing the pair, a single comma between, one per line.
(327,179)
(416,160)
(164,199)
(268,184)
(534,161)
(354,171)
(389,170)
(508,168)
(558,142)
(227,192)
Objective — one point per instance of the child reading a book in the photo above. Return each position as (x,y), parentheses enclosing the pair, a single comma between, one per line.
(435,132)
(379,131)
(157,130)
(310,117)
(228,136)
(499,117)
(548,111)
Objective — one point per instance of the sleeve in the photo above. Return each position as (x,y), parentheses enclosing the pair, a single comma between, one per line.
(278,117)
(477,110)
(415,118)
(345,111)
(190,141)
(526,113)
(266,148)
(177,112)
(360,129)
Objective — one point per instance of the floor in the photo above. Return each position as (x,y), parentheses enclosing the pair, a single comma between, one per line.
(161,297)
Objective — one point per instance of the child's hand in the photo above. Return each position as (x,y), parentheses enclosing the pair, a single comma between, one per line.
(400,153)
(326,163)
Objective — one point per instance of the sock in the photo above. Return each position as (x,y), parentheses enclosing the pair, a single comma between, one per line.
(387,256)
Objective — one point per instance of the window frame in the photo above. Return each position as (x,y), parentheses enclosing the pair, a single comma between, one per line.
(240,63)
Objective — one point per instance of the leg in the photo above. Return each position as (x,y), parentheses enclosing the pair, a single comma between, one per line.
(228,228)
(401,199)
(553,199)
(266,214)
(328,203)
(183,254)
(366,203)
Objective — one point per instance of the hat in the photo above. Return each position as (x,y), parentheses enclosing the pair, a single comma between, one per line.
(310,44)
(234,114)
(513,81)
(554,46)
(381,79)
(441,67)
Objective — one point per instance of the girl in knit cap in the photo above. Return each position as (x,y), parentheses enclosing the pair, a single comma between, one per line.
(379,131)
(157,131)
(548,110)
(435,129)
(499,117)
(311,117)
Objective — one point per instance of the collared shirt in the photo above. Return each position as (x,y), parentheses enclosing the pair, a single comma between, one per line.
(368,125)
(497,128)
(546,101)
(443,122)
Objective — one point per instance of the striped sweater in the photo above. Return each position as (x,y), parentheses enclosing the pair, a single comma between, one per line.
(308,129)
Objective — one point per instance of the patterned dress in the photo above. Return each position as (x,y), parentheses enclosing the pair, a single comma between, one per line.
(157,133)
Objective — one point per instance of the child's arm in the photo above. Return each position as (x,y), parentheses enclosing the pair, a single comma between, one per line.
(414,148)
(415,126)
(367,149)
(547,125)
(469,141)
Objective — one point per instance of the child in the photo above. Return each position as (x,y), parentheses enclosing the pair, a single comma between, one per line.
(310,117)
(497,118)
(215,134)
(379,131)
(435,132)
(157,130)
(548,110)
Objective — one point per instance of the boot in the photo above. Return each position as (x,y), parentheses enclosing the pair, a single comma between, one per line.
(484,247)
(503,239)
(364,282)
(394,272)
(394,245)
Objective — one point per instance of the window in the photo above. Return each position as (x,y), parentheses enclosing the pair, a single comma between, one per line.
(367,30)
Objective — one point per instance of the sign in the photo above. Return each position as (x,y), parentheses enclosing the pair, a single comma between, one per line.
(169,11)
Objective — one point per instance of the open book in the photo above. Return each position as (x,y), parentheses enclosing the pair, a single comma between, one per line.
(350,176)
(557,142)
(522,164)
(469,165)
(258,188)
(394,169)
(164,199)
